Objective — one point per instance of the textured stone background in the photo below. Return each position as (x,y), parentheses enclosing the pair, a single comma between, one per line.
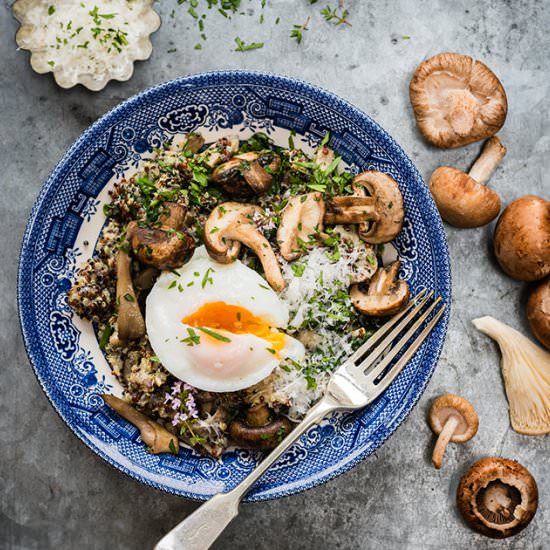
(54,493)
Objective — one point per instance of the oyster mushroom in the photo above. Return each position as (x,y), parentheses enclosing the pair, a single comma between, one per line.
(463,199)
(522,239)
(130,323)
(155,436)
(497,497)
(538,312)
(301,224)
(231,224)
(385,293)
(247,174)
(259,430)
(452,418)
(376,205)
(526,373)
(456,100)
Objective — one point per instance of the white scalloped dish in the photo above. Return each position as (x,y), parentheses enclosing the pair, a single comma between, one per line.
(88,43)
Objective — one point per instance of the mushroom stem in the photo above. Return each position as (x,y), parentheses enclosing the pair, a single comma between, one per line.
(443,440)
(130,323)
(157,438)
(492,153)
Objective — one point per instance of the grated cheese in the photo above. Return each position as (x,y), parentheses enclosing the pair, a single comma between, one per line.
(97,39)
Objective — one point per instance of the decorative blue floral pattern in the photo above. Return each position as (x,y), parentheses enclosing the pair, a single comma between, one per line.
(63,350)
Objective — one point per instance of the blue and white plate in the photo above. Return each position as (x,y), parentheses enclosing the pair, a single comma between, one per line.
(67,219)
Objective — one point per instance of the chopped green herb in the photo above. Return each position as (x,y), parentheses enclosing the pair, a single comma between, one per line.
(242,47)
(129,298)
(215,335)
(105,335)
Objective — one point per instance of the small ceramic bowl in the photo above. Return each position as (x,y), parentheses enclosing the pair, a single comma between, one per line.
(81,44)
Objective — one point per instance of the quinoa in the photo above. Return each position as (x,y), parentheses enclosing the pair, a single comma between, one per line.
(177,175)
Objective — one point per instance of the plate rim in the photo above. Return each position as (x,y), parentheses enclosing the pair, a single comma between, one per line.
(106,121)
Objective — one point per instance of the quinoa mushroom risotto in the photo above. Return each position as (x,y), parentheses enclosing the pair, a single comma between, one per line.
(231,279)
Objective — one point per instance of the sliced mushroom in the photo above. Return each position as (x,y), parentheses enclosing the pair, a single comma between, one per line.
(156,437)
(173,216)
(463,199)
(220,151)
(452,418)
(247,174)
(385,293)
(301,224)
(457,100)
(258,430)
(190,142)
(324,157)
(497,497)
(379,215)
(231,224)
(160,248)
(130,323)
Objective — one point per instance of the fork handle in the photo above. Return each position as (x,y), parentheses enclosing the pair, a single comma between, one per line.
(199,530)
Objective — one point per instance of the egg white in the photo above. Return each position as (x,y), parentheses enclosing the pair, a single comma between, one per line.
(212,365)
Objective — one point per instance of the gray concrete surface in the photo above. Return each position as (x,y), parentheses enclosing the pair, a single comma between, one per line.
(54,493)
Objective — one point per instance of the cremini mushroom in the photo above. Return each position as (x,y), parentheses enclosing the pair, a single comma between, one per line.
(385,293)
(259,430)
(526,373)
(538,312)
(130,323)
(463,199)
(155,436)
(231,224)
(247,174)
(522,239)
(376,205)
(456,100)
(191,142)
(452,418)
(160,248)
(301,224)
(497,497)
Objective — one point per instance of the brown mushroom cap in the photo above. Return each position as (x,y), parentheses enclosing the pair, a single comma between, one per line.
(385,295)
(130,323)
(456,100)
(497,497)
(231,224)
(538,312)
(379,215)
(155,436)
(259,430)
(246,174)
(160,248)
(462,199)
(452,418)
(301,224)
(522,239)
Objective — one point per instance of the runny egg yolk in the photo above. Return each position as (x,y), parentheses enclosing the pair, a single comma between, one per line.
(237,320)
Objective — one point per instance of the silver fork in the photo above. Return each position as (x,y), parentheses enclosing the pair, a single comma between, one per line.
(357,382)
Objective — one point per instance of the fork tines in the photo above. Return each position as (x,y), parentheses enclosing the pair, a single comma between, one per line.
(373,358)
